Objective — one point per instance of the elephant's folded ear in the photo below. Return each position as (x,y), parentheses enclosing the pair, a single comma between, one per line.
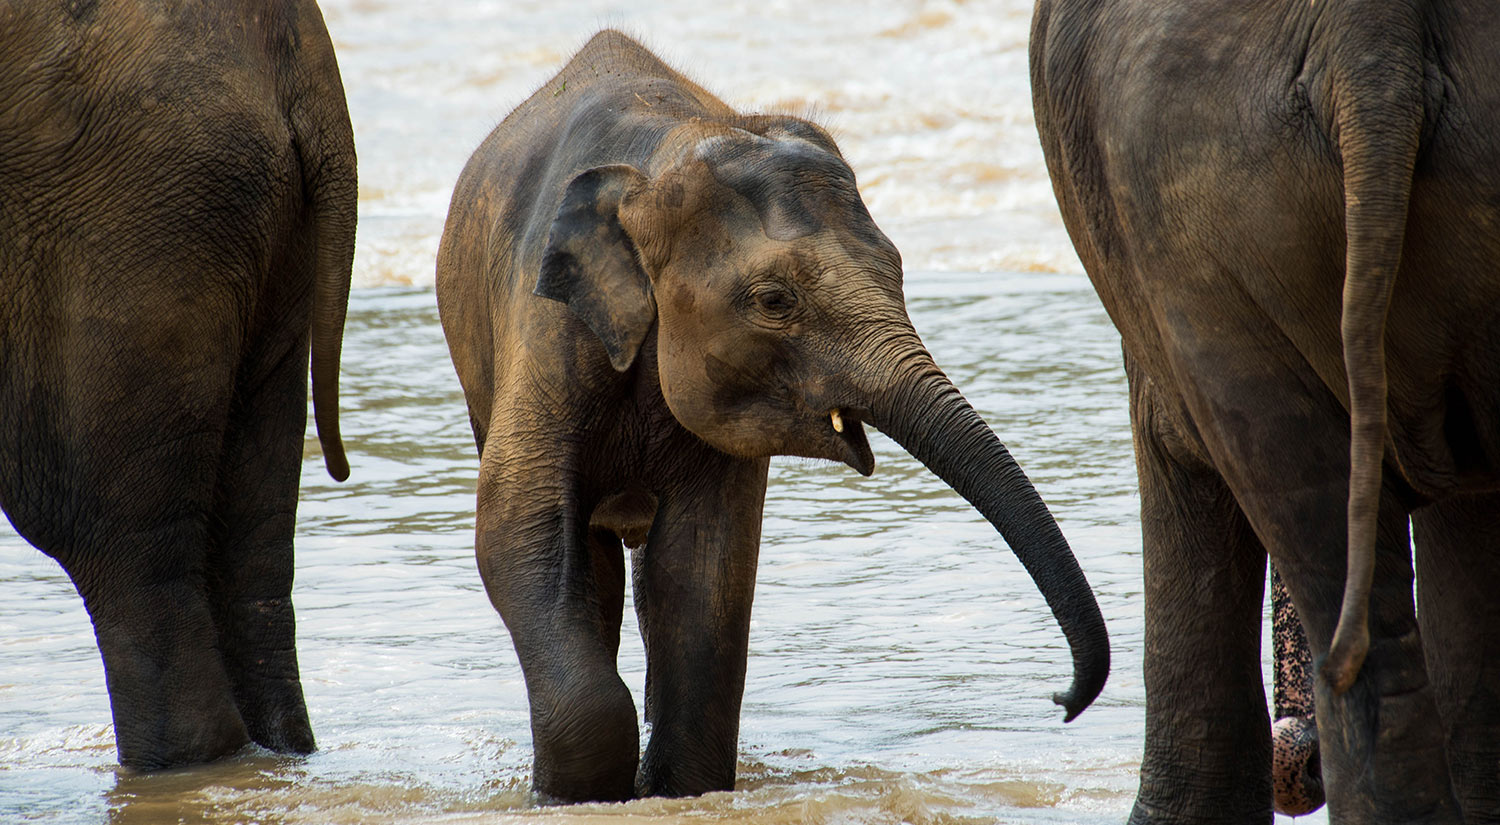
(591,264)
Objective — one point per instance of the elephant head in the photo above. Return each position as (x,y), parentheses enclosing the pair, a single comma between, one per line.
(781,329)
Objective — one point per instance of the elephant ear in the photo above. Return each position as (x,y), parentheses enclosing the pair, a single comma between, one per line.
(591,263)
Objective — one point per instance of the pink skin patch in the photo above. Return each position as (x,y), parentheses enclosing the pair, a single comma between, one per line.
(1296,769)
(1296,776)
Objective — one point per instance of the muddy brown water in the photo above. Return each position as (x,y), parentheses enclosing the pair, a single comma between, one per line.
(901,660)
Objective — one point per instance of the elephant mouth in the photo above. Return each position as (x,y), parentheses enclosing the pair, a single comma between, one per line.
(846,433)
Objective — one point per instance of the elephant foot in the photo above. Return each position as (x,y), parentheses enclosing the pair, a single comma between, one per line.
(278,721)
(585,740)
(157,744)
(258,639)
(1296,769)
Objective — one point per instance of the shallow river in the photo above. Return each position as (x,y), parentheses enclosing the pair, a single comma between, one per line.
(901,660)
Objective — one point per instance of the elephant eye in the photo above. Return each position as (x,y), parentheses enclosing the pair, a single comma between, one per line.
(776,302)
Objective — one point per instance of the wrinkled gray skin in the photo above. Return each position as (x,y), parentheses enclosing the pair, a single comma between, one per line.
(646,295)
(1290,211)
(177,206)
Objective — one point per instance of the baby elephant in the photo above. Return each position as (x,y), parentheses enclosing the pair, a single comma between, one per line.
(646,295)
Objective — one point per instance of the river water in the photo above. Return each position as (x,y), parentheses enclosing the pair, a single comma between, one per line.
(900,661)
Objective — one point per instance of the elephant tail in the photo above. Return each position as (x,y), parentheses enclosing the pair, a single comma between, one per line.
(325,139)
(335,198)
(1379,108)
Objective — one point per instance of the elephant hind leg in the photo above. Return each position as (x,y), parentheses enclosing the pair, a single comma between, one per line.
(251,560)
(168,692)
(1280,442)
(1380,742)
(1458,579)
(1208,742)
(131,472)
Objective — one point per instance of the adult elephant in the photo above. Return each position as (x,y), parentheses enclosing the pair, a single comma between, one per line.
(646,294)
(177,207)
(1289,209)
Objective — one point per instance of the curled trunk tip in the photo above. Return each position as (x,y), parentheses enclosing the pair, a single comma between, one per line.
(928,417)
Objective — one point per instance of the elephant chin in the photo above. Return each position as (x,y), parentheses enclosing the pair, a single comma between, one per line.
(1296,770)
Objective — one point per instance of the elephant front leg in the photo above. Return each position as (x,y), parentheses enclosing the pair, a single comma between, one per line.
(559,586)
(1208,750)
(694,582)
(1458,581)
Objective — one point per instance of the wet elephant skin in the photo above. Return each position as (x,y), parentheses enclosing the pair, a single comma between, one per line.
(177,207)
(1288,210)
(646,295)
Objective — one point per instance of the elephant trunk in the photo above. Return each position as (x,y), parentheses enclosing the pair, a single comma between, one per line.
(923,412)
(1296,763)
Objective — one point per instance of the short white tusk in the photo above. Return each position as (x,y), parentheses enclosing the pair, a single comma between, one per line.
(838,421)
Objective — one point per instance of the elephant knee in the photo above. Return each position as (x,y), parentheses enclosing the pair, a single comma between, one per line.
(586,743)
